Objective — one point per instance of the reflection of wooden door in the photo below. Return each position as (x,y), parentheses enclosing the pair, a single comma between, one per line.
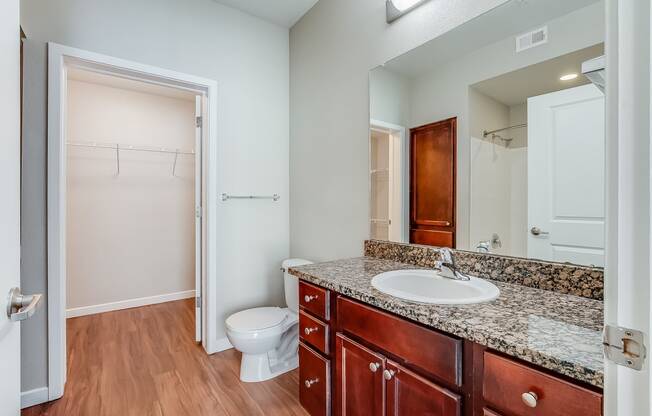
(432,183)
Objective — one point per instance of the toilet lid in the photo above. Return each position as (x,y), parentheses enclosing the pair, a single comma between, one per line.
(256,319)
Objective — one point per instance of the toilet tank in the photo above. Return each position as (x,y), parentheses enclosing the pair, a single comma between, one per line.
(292,283)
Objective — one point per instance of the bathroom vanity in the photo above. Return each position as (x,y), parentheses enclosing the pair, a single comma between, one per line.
(529,352)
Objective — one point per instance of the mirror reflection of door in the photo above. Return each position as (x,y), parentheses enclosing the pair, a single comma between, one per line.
(386,177)
(566,178)
(433,150)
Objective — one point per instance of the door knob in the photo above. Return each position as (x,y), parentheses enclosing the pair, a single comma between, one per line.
(374,367)
(538,231)
(388,374)
(21,307)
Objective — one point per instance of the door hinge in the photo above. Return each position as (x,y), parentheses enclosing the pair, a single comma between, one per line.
(198,212)
(198,302)
(624,346)
(198,121)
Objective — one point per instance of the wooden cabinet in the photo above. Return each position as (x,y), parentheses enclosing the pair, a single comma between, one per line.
(315,300)
(376,363)
(515,389)
(442,359)
(315,382)
(358,379)
(433,160)
(314,332)
(411,394)
(367,383)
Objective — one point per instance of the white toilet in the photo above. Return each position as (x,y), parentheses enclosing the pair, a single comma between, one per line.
(268,337)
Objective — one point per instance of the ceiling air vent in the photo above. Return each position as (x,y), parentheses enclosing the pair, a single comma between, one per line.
(531,39)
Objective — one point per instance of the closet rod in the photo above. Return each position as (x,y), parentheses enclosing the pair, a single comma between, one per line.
(129,147)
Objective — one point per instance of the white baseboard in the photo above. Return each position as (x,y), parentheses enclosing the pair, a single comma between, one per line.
(130,303)
(33,397)
(218,345)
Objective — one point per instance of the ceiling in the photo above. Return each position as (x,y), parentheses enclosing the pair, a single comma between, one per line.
(505,21)
(517,86)
(282,12)
(114,81)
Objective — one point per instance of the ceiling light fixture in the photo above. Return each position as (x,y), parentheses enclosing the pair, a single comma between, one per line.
(568,77)
(398,8)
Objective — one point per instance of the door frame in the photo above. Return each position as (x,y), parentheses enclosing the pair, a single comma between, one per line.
(628,242)
(403,158)
(60,58)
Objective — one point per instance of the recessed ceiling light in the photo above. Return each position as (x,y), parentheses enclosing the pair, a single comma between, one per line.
(568,77)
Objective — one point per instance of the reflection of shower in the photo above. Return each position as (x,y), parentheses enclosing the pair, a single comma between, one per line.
(593,69)
(495,136)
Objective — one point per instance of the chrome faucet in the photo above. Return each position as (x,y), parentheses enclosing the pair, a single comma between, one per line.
(483,247)
(448,261)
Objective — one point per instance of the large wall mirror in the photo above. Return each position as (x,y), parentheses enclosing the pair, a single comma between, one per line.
(491,137)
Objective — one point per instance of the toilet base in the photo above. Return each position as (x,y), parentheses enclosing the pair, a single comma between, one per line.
(261,367)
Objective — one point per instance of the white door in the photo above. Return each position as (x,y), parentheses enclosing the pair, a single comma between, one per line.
(566,176)
(198,217)
(9,204)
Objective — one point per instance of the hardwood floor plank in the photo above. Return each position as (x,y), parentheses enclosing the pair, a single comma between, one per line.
(144,362)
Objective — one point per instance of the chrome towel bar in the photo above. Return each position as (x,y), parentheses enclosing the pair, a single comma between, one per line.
(226,197)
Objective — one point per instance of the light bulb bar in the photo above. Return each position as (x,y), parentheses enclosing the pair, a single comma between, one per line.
(398,8)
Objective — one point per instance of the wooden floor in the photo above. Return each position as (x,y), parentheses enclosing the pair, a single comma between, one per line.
(144,361)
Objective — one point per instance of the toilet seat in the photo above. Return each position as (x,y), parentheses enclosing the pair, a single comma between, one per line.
(266,319)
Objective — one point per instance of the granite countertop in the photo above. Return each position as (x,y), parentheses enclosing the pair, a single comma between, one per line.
(560,332)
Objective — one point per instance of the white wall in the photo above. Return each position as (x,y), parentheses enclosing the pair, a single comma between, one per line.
(333,47)
(132,235)
(389,97)
(248,58)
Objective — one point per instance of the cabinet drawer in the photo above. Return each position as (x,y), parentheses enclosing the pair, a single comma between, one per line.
(505,383)
(315,300)
(313,332)
(314,382)
(431,351)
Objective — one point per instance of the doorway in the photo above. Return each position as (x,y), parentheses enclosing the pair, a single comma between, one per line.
(387,176)
(130,159)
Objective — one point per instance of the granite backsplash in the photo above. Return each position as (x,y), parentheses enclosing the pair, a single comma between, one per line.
(570,279)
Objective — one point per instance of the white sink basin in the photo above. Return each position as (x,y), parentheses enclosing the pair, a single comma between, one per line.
(428,286)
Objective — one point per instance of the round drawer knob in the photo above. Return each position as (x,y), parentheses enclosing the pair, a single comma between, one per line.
(530,399)
(388,374)
(308,331)
(309,298)
(374,367)
(309,383)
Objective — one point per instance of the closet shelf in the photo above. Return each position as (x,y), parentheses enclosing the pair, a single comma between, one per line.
(118,146)
(121,147)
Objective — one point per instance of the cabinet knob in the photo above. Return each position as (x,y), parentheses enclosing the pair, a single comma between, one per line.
(388,374)
(530,399)
(309,383)
(374,367)
(307,331)
(308,299)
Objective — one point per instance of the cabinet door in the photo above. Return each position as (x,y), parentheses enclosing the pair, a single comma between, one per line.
(359,379)
(410,394)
